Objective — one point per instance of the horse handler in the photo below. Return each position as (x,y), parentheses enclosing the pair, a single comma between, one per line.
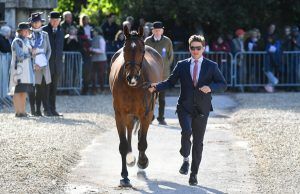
(198,78)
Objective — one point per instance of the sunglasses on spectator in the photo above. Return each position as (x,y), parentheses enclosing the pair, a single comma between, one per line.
(196,48)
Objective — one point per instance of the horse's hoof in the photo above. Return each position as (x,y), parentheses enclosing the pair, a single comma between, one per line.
(125,183)
(130,159)
(143,164)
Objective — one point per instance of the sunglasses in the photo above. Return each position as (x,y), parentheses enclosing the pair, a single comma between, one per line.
(196,48)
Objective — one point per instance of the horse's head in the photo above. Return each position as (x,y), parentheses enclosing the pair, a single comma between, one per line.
(134,50)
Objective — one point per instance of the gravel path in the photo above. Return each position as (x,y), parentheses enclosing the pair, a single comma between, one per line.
(37,153)
(225,166)
(271,123)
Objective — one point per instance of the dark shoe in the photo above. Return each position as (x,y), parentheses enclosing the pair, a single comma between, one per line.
(54,113)
(184,169)
(193,180)
(18,115)
(38,113)
(33,113)
(162,121)
(48,114)
(21,115)
(24,114)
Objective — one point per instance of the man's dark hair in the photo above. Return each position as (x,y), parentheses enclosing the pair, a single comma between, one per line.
(197,38)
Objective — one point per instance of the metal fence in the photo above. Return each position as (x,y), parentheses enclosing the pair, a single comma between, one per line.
(5,59)
(245,69)
(71,76)
(248,69)
(251,69)
(289,72)
(70,79)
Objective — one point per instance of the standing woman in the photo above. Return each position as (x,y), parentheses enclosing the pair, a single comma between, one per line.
(98,59)
(119,40)
(41,51)
(21,70)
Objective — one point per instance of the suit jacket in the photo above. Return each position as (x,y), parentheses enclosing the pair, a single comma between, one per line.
(57,45)
(190,96)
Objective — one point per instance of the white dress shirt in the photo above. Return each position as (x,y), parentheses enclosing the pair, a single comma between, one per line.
(199,67)
(156,39)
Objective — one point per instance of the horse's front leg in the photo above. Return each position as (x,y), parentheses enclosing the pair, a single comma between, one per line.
(123,148)
(143,161)
(130,158)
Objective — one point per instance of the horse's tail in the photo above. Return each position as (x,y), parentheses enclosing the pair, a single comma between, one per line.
(136,124)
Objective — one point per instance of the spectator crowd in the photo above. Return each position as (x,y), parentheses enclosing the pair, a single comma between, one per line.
(46,44)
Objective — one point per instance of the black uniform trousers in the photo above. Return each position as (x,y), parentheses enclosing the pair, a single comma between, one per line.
(39,95)
(52,92)
(162,104)
(192,125)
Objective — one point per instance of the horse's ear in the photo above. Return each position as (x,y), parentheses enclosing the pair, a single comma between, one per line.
(141,31)
(126,31)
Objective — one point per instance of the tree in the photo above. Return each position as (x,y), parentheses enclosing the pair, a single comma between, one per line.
(74,6)
(212,16)
(98,9)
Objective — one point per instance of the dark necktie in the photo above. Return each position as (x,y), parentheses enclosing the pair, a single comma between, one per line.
(195,71)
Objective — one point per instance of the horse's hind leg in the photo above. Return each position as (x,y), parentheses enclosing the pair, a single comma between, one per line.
(142,145)
(130,158)
(123,148)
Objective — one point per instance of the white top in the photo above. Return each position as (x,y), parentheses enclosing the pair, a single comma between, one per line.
(200,60)
(87,31)
(102,48)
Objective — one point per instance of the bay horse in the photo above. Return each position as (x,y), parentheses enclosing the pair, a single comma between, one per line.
(133,68)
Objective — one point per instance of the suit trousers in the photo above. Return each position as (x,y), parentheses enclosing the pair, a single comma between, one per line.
(52,92)
(192,126)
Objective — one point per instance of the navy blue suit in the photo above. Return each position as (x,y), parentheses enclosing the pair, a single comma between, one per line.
(193,106)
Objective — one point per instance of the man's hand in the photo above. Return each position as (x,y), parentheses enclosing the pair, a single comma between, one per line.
(152,87)
(205,89)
